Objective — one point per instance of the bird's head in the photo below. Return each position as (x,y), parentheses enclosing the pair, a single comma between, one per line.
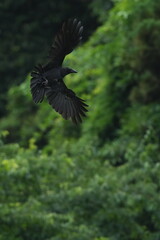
(65,71)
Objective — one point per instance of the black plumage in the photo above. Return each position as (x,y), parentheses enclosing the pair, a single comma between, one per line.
(47,80)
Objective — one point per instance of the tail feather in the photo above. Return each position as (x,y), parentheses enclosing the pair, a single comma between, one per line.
(37,86)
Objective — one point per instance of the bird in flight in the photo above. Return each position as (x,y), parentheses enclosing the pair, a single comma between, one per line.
(47,80)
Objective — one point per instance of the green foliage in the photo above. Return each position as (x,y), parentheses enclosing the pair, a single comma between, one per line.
(63,196)
(101,7)
(100,180)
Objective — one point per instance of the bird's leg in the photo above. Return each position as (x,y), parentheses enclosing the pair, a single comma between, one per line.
(45,82)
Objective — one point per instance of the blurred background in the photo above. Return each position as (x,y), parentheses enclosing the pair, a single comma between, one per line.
(99,180)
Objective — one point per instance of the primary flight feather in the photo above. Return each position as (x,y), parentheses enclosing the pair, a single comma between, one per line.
(47,80)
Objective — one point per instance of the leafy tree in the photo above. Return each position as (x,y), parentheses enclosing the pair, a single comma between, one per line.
(100,180)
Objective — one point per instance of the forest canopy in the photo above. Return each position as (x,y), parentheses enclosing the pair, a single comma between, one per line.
(99,180)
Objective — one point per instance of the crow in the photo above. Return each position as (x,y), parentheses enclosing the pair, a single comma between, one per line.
(47,80)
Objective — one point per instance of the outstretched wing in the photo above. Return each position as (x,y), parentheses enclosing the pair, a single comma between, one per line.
(65,102)
(65,41)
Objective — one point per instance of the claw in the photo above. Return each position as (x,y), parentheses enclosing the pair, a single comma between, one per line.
(45,83)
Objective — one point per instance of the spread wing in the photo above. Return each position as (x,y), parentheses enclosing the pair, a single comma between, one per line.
(65,41)
(65,102)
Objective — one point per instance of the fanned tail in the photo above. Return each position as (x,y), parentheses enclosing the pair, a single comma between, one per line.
(37,84)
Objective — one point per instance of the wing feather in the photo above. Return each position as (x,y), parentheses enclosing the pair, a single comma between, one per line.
(66,103)
(65,41)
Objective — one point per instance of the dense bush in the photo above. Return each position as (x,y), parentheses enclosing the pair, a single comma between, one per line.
(100,180)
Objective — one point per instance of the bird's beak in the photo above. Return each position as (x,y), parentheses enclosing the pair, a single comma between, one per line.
(73,71)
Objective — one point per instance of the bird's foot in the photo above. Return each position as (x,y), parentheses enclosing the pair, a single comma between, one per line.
(45,82)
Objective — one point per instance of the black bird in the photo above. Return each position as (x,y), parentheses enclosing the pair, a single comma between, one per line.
(48,79)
